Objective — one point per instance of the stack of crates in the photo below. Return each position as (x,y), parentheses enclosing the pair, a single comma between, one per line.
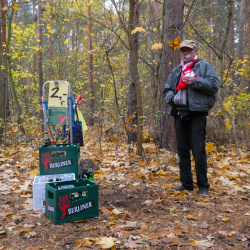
(59,189)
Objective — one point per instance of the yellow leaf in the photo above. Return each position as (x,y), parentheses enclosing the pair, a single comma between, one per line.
(175,44)
(189,216)
(34,172)
(157,46)
(4,8)
(140,176)
(23,231)
(65,41)
(138,29)
(154,29)
(150,176)
(35,154)
(192,244)
(90,2)
(210,147)
(228,125)
(85,242)
(15,7)
(225,219)
(160,172)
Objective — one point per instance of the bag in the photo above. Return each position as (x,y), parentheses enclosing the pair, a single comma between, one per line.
(77,130)
(184,114)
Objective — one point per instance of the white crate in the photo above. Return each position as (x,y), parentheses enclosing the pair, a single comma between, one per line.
(39,185)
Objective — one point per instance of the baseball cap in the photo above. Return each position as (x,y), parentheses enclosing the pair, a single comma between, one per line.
(189,44)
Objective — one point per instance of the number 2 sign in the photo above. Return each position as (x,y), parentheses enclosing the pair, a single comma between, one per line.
(58,93)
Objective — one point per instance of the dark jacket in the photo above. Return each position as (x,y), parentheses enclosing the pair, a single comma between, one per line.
(201,94)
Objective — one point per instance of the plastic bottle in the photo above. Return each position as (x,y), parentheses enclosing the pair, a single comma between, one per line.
(91,174)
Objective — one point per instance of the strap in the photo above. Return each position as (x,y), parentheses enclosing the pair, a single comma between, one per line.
(77,118)
(63,132)
(46,104)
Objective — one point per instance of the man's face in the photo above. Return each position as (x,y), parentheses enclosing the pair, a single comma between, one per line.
(188,54)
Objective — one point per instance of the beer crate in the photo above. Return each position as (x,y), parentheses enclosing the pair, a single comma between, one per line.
(39,185)
(71,204)
(60,159)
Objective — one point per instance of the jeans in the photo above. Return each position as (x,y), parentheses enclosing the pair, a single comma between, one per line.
(191,135)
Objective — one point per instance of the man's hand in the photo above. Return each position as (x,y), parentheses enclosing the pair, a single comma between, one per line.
(188,79)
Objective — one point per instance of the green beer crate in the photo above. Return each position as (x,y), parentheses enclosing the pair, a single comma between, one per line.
(71,200)
(60,159)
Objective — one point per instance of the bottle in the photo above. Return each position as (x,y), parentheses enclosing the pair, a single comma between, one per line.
(158,168)
(47,141)
(72,196)
(91,175)
(76,196)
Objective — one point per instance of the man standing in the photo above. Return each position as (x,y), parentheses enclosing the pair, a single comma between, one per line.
(190,90)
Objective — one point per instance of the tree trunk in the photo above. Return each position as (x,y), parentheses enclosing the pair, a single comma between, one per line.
(241,35)
(223,44)
(39,59)
(132,48)
(153,92)
(10,76)
(172,23)
(132,99)
(231,43)
(1,86)
(248,25)
(5,100)
(90,65)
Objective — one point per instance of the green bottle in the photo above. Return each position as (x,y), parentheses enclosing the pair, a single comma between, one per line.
(91,174)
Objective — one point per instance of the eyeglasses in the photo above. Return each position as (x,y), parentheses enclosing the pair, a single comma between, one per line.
(186,50)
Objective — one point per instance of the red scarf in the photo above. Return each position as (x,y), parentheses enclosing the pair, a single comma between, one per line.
(186,69)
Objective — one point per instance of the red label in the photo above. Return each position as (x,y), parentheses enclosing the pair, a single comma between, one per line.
(64,204)
(62,119)
(46,159)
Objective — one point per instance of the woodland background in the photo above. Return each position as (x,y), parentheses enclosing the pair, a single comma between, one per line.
(118,55)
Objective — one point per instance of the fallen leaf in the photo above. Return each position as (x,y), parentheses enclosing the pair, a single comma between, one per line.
(204,243)
(23,231)
(85,242)
(192,217)
(134,244)
(204,225)
(210,147)
(116,211)
(105,242)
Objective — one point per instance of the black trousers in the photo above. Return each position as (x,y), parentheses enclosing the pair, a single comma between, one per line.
(191,135)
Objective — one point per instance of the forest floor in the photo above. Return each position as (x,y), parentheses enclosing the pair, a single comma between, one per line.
(137,209)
